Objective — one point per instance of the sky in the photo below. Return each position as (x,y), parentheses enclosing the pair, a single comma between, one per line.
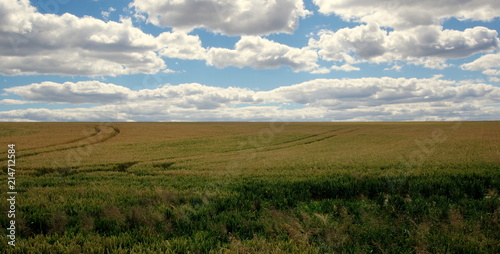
(249,60)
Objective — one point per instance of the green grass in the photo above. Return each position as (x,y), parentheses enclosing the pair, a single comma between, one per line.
(255,188)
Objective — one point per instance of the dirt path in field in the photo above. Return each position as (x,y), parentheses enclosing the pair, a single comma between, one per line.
(100,134)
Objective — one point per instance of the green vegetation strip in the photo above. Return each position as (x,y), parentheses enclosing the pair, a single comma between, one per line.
(340,213)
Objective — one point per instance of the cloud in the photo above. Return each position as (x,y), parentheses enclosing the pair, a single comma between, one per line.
(181,45)
(229,17)
(370,92)
(35,43)
(95,114)
(250,51)
(407,14)
(105,14)
(365,41)
(194,95)
(12,102)
(489,64)
(365,99)
(394,67)
(261,53)
(345,67)
(191,95)
(69,92)
(430,46)
(433,41)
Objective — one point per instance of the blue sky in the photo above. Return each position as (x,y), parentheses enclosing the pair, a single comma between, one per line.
(209,60)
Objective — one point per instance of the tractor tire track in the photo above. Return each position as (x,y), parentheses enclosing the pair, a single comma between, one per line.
(284,145)
(96,131)
(103,133)
(322,138)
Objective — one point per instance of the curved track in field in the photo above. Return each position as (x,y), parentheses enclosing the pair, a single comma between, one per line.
(105,132)
(303,141)
(96,130)
(101,133)
(308,140)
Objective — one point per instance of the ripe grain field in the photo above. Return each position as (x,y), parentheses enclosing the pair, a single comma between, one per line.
(417,187)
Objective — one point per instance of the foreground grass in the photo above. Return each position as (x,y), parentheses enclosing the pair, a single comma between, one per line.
(255,188)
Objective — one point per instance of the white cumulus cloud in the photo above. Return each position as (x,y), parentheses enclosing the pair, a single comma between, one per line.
(489,64)
(261,53)
(69,92)
(12,102)
(181,45)
(354,93)
(402,14)
(230,17)
(36,43)
(430,46)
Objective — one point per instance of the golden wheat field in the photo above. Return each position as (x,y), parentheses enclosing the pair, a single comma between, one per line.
(221,187)
(254,148)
